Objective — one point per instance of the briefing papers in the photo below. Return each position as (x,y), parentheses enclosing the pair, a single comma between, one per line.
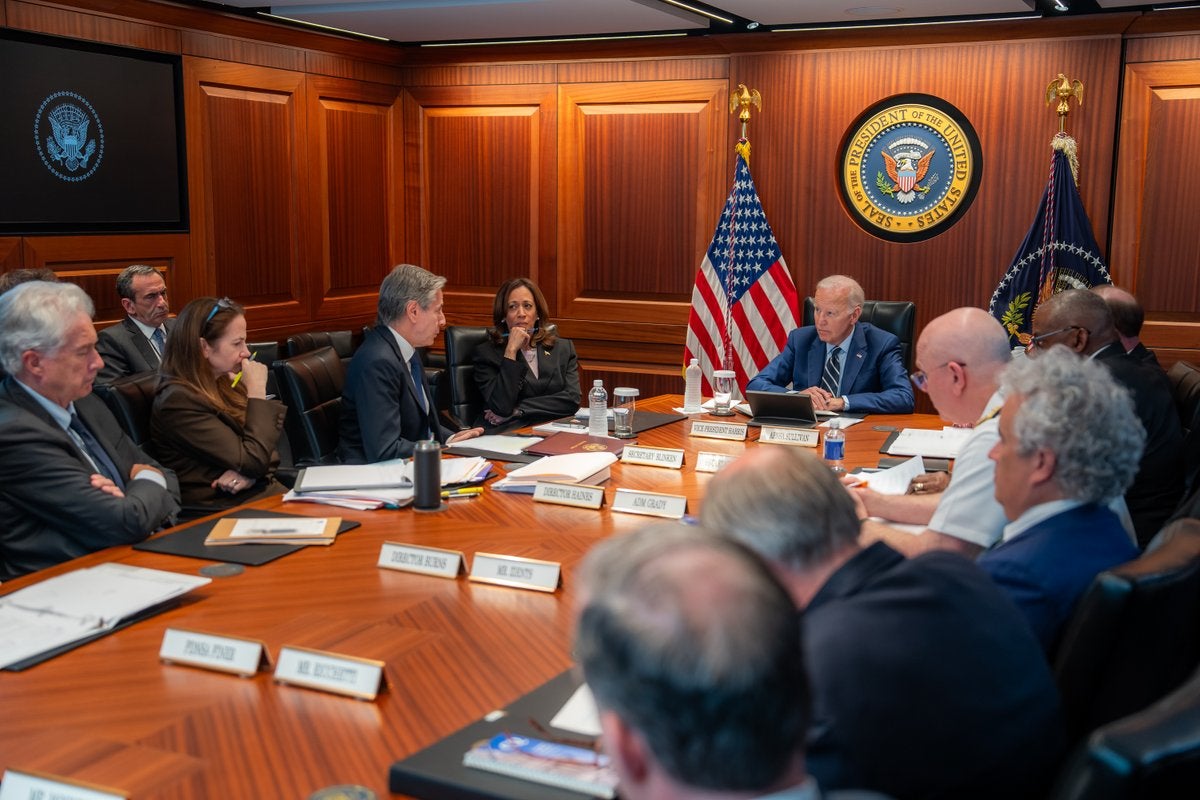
(388,484)
(931,444)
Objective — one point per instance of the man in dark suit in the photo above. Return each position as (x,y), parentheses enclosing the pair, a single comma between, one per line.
(386,405)
(1069,442)
(1128,317)
(1080,320)
(844,364)
(926,681)
(135,344)
(71,482)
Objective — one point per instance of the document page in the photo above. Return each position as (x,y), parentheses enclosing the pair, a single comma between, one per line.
(499,443)
(896,479)
(931,444)
(25,633)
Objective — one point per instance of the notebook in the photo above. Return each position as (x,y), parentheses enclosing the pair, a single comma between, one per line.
(779,408)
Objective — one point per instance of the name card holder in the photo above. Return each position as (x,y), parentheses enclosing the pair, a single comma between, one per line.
(522,573)
(569,494)
(799,437)
(713,462)
(234,654)
(30,785)
(424,560)
(668,458)
(734,431)
(363,678)
(652,504)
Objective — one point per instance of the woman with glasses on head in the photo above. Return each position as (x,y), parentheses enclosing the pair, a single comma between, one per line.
(212,422)
(524,371)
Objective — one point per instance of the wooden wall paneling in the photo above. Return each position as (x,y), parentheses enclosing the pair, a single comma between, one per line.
(10,253)
(337,66)
(1162,48)
(241,51)
(248,171)
(94,261)
(644,170)
(355,199)
(480,172)
(93,27)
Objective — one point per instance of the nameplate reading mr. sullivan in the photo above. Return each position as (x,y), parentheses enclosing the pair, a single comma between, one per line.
(20,785)
(316,669)
(569,494)
(209,651)
(802,437)
(523,573)
(653,457)
(425,560)
(719,430)
(651,504)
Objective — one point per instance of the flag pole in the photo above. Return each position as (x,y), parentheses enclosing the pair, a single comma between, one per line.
(743,98)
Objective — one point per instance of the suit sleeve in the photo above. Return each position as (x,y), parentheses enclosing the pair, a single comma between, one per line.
(566,400)
(381,395)
(116,360)
(503,382)
(778,375)
(499,379)
(1028,595)
(196,429)
(895,395)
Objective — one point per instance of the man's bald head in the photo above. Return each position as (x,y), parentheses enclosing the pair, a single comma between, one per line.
(968,335)
(1127,312)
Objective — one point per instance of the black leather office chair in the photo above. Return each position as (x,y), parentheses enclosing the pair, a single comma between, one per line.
(1151,755)
(466,403)
(131,400)
(1185,387)
(311,386)
(341,341)
(897,317)
(1135,634)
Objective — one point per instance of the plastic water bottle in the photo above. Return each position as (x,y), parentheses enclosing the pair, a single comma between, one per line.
(691,387)
(835,448)
(597,409)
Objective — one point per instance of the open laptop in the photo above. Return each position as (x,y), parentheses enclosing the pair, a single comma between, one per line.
(779,408)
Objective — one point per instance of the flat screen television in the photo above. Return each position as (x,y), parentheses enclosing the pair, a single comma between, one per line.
(91,138)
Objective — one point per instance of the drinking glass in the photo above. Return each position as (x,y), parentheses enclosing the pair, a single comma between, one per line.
(624,404)
(724,386)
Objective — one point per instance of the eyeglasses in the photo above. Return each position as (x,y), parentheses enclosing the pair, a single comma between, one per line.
(921,380)
(1036,343)
(224,302)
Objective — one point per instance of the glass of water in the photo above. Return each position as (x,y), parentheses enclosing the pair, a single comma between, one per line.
(724,386)
(624,404)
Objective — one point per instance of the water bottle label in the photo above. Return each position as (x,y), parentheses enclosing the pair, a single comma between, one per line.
(834,450)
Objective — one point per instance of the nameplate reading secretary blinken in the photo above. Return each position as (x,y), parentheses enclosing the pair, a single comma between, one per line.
(330,672)
(209,651)
(425,560)
(653,457)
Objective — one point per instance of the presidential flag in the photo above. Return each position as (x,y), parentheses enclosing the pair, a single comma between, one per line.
(744,302)
(1059,252)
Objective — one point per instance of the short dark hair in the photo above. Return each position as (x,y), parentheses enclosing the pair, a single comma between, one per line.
(406,282)
(125,279)
(547,333)
(18,276)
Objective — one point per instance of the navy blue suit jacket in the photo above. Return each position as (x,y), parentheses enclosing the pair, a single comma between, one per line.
(873,373)
(381,415)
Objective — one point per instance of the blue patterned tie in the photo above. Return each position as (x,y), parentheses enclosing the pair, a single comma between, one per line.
(160,340)
(418,376)
(833,372)
(96,452)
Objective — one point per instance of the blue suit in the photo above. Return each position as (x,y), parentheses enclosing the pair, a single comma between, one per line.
(1047,568)
(873,374)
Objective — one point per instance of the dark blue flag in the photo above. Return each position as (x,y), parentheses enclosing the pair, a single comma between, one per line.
(1059,252)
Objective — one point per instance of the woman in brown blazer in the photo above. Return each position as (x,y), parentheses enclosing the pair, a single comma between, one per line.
(215,429)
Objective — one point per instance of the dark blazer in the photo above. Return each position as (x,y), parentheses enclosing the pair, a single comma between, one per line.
(381,415)
(509,386)
(200,443)
(1145,355)
(126,351)
(926,682)
(50,511)
(1046,569)
(1159,483)
(873,375)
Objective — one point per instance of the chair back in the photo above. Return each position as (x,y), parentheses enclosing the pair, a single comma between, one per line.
(310,384)
(266,353)
(1135,634)
(897,317)
(466,402)
(1151,755)
(131,400)
(1185,388)
(341,341)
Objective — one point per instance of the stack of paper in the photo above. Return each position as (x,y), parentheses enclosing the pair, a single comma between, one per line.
(931,444)
(586,468)
(387,484)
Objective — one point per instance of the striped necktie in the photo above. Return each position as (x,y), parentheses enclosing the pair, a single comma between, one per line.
(96,452)
(833,372)
(160,340)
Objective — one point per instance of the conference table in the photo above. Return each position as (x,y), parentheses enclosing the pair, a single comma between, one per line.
(110,713)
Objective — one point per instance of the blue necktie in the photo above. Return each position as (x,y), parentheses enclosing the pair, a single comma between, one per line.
(96,452)
(833,372)
(160,340)
(418,376)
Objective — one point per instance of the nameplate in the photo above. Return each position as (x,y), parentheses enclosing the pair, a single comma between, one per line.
(208,651)
(22,785)
(425,560)
(651,504)
(719,430)
(801,437)
(569,494)
(713,462)
(330,672)
(653,457)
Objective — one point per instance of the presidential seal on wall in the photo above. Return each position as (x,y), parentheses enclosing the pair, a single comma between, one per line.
(909,167)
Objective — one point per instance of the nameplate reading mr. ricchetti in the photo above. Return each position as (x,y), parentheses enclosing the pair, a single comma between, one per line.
(209,651)
(523,573)
(569,494)
(651,504)
(19,785)
(425,560)
(801,437)
(735,431)
(653,457)
(330,672)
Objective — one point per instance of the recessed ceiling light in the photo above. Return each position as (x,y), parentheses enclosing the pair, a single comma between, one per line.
(873,11)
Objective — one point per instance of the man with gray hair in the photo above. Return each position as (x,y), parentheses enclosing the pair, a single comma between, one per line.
(692,650)
(135,344)
(1069,442)
(926,681)
(843,364)
(386,405)
(71,482)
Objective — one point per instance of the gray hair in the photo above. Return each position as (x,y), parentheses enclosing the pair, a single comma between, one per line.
(35,316)
(1073,408)
(694,643)
(404,283)
(125,279)
(843,283)
(785,505)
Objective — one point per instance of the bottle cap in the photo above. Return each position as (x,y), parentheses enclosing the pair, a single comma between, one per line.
(597,382)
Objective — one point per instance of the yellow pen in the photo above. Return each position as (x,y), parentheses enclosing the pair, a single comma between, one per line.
(238,377)
(467,492)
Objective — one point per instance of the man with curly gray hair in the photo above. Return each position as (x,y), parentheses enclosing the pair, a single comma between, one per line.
(1070,441)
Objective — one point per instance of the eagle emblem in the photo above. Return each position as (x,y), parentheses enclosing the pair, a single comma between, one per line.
(69,145)
(907,162)
(69,136)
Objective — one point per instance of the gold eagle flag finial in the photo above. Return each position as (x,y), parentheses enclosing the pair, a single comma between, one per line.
(744,97)
(1064,89)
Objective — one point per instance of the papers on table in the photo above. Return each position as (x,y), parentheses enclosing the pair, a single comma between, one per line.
(455,471)
(896,479)
(499,443)
(843,422)
(586,468)
(929,443)
(579,714)
(274,530)
(384,475)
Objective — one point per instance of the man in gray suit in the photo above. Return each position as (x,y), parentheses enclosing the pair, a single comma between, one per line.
(135,344)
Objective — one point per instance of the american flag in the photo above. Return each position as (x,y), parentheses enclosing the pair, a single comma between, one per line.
(744,302)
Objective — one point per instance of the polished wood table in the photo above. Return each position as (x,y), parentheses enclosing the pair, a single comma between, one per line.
(111,713)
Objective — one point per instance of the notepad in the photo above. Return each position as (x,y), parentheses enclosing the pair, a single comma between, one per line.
(586,468)
(274,530)
(551,763)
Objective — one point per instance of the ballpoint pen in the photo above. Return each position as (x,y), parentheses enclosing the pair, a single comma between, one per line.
(468,492)
(238,377)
